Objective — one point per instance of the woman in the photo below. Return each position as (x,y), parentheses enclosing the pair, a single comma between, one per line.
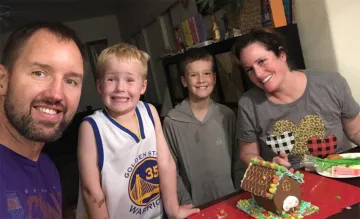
(290,113)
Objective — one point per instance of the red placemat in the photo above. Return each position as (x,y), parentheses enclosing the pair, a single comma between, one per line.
(329,195)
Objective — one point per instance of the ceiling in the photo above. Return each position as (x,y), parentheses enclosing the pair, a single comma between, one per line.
(19,12)
(6,2)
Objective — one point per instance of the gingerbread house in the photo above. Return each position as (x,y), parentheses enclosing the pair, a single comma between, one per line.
(273,187)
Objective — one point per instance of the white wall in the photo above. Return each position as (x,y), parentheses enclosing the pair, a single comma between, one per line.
(135,14)
(329,34)
(97,28)
(344,25)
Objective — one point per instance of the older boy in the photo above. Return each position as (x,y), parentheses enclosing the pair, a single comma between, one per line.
(201,134)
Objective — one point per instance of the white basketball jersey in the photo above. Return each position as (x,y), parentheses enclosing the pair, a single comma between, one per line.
(128,164)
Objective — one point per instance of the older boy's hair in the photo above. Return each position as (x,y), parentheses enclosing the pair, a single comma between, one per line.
(193,55)
(124,52)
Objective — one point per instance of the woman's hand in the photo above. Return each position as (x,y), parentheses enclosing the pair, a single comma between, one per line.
(282,160)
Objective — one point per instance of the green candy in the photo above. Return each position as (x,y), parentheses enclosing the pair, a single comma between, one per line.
(325,164)
(297,174)
(278,173)
(301,175)
(283,169)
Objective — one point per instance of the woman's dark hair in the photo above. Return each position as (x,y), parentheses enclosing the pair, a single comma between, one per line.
(270,39)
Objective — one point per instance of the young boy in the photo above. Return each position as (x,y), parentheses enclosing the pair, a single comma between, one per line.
(122,152)
(201,135)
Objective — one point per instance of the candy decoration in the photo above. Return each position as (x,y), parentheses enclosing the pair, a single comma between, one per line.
(278,173)
(272,185)
(254,161)
(222,212)
(301,175)
(297,174)
(275,177)
(272,190)
(267,195)
(250,207)
(283,169)
(291,170)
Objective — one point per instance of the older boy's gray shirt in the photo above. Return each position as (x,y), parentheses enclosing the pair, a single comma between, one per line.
(203,152)
(315,115)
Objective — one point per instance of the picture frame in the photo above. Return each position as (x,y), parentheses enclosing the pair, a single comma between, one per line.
(94,49)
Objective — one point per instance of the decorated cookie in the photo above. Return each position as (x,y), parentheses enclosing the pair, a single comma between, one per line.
(274,187)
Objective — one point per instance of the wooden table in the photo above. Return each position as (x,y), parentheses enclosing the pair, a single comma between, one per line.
(352,213)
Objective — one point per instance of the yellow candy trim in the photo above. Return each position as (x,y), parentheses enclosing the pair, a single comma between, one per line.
(272,190)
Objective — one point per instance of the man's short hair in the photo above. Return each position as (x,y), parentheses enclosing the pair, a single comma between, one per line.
(193,55)
(18,38)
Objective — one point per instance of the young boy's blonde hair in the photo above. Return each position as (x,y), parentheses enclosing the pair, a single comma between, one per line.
(123,52)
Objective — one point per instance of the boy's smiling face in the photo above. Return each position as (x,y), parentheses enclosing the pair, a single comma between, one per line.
(122,85)
(199,79)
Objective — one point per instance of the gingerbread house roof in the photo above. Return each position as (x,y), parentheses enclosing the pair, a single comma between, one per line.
(267,175)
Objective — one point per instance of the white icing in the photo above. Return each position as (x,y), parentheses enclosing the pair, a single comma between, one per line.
(290,202)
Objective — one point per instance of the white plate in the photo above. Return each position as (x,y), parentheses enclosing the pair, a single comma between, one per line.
(345,155)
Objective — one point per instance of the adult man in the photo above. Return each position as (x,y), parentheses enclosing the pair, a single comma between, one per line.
(41,76)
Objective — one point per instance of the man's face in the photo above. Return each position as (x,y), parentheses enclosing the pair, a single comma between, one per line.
(44,87)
